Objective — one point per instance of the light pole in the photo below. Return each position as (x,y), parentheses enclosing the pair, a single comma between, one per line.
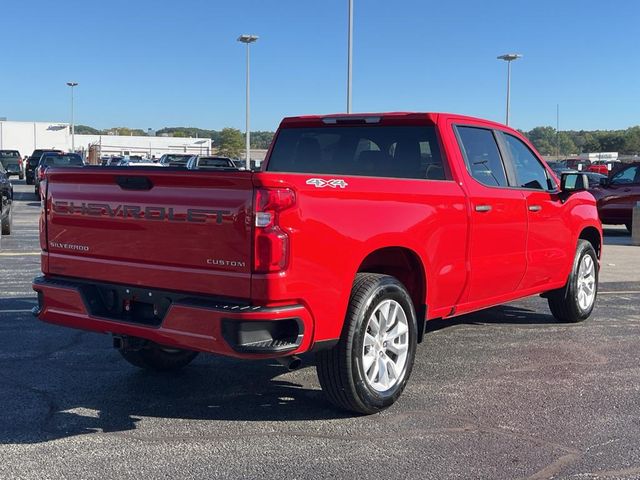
(349,55)
(248,39)
(509,57)
(73,128)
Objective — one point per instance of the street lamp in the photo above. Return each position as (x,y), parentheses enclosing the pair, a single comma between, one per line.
(349,55)
(73,128)
(248,39)
(509,57)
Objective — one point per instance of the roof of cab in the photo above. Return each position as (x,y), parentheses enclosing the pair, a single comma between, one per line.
(381,117)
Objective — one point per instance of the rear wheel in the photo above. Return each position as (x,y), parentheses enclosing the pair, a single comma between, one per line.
(158,357)
(29,181)
(369,367)
(7,222)
(21,176)
(575,301)
(629,226)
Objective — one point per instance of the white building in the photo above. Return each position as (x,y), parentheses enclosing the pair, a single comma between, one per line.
(28,136)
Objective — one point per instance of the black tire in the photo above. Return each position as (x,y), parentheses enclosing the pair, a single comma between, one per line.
(29,181)
(564,302)
(629,226)
(158,358)
(21,177)
(36,191)
(7,222)
(340,369)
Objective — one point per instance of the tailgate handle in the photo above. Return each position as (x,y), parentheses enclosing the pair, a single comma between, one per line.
(134,183)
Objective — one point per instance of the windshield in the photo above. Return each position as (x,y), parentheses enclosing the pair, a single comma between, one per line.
(379,151)
(176,159)
(62,160)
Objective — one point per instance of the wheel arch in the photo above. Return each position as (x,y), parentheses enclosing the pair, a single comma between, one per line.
(405,265)
(592,235)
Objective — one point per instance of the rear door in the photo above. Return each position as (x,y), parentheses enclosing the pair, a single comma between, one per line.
(181,231)
(497,249)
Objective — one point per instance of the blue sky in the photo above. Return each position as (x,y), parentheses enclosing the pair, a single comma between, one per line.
(156,63)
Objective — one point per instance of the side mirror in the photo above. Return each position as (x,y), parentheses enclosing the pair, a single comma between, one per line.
(574,182)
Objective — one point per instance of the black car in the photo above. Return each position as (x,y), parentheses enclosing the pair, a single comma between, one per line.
(210,163)
(55,160)
(32,163)
(6,200)
(12,162)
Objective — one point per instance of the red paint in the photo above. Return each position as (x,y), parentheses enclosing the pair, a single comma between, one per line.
(428,233)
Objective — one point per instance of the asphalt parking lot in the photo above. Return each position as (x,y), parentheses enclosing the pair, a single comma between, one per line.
(506,393)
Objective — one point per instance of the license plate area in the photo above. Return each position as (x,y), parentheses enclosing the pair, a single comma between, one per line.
(126,304)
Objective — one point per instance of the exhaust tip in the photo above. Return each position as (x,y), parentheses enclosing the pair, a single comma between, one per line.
(290,363)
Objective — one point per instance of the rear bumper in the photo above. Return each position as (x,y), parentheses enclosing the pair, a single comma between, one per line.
(228,328)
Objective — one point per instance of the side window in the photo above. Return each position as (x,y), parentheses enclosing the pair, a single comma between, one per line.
(482,156)
(628,175)
(530,172)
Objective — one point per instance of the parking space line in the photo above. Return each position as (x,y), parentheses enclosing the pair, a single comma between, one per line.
(24,310)
(622,292)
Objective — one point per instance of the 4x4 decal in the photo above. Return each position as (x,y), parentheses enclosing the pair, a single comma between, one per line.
(333,183)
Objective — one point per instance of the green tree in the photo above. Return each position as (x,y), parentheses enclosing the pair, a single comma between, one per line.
(86,130)
(231,142)
(544,139)
(632,141)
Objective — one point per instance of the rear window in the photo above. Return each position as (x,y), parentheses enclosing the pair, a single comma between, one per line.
(62,160)
(215,163)
(9,154)
(377,151)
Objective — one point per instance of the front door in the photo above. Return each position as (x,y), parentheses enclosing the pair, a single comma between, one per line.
(549,238)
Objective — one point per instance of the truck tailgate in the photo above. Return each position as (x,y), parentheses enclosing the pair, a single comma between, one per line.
(175,230)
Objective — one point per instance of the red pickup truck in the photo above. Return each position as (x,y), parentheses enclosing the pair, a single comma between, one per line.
(358,230)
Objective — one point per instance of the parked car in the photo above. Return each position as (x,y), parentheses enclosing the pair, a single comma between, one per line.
(111,161)
(210,163)
(617,195)
(12,163)
(356,231)
(174,159)
(6,203)
(579,164)
(52,159)
(136,162)
(593,178)
(32,163)
(603,167)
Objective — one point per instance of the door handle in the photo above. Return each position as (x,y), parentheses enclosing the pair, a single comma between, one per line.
(483,208)
(535,208)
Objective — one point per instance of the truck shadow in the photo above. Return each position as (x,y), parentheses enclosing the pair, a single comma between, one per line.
(56,383)
(503,315)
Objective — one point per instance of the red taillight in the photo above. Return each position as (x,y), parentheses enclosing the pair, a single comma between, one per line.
(271,243)
(41,173)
